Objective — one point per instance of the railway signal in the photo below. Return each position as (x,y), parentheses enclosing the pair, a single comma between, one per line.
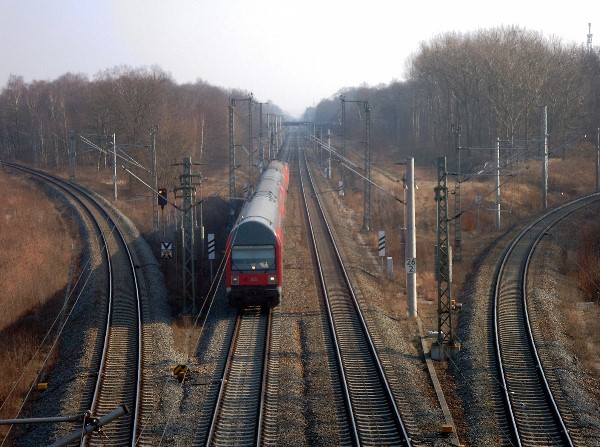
(162,197)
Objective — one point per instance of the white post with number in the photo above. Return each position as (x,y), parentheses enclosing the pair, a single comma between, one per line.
(411,240)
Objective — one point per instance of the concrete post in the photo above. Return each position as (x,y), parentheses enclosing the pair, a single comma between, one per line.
(411,242)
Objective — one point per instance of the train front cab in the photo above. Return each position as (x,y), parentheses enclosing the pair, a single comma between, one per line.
(254,269)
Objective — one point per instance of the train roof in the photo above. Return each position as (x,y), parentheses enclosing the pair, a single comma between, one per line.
(263,207)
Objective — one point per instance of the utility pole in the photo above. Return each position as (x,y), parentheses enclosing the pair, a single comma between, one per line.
(367,185)
(187,192)
(589,38)
(545,157)
(250,145)
(445,338)
(457,199)
(329,150)
(317,143)
(411,247)
(497,176)
(269,136)
(367,192)
(115,165)
(231,162)
(343,173)
(232,166)
(72,157)
(260,137)
(278,119)
(598,162)
(153,132)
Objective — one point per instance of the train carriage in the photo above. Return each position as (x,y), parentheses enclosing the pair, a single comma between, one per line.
(255,246)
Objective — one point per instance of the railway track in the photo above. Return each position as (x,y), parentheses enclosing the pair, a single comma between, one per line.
(238,416)
(534,411)
(373,415)
(117,359)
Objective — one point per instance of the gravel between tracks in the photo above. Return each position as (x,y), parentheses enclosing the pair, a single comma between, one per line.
(395,335)
(77,342)
(308,410)
(553,291)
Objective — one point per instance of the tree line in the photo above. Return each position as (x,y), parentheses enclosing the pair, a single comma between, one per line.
(37,119)
(490,84)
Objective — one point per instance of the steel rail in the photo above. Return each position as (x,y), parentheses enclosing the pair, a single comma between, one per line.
(68,188)
(237,387)
(518,254)
(396,418)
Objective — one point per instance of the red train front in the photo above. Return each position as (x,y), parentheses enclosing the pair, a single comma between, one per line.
(254,270)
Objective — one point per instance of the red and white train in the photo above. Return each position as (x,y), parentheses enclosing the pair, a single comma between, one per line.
(254,266)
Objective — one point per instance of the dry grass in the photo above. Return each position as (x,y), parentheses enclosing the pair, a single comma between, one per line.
(521,200)
(34,267)
(588,260)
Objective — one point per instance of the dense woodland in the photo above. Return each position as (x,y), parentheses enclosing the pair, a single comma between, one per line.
(491,84)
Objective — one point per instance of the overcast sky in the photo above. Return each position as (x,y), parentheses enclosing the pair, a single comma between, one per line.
(290,53)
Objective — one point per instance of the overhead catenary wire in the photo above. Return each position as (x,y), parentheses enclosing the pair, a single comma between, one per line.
(125,158)
(352,167)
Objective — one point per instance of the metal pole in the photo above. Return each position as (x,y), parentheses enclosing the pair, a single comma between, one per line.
(457,203)
(443,266)
(94,425)
(598,162)
(72,157)
(497,207)
(260,137)
(115,165)
(47,420)
(231,163)
(202,238)
(188,239)
(153,131)
(269,135)
(545,158)
(367,193)
(319,145)
(277,131)
(250,148)
(411,247)
(329,149)
(343,99)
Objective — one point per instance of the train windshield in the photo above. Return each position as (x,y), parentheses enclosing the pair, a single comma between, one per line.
(253,258)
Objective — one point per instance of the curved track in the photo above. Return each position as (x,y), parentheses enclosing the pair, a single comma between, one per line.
(533,412)
(118,359)
(373,416)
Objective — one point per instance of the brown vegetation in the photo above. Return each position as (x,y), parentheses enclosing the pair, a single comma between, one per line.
(37,254)
(490,83)
(521,196)
(589,263)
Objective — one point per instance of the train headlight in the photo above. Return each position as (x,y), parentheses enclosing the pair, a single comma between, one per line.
(272,279)
(235,280)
